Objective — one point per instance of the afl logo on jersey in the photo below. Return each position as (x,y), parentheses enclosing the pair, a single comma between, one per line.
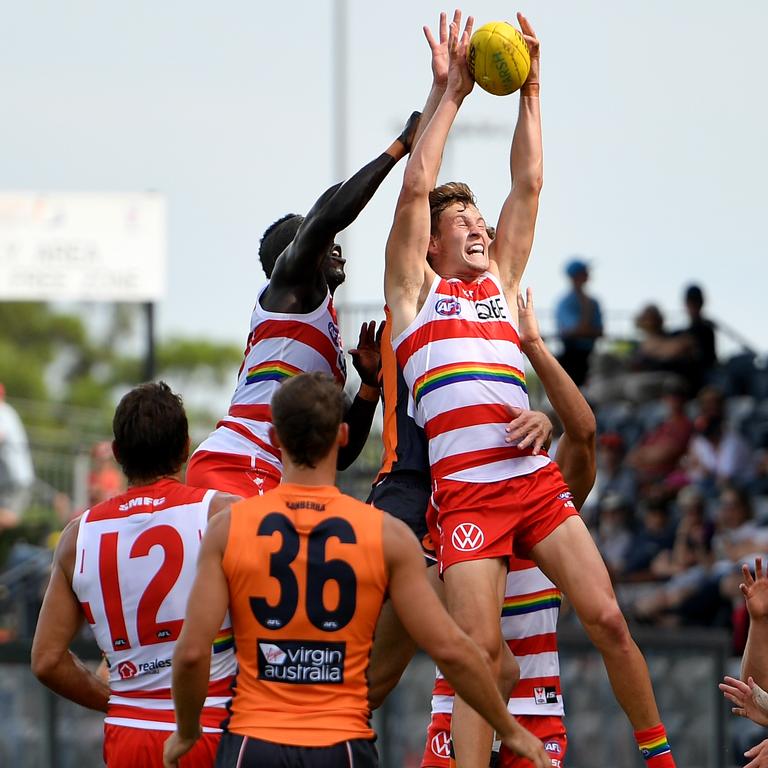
(127,670)
(448,307)
(467,537)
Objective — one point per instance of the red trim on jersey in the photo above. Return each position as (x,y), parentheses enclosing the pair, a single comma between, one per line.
(471,459)
(87,612)
(300,331)
(476,285)
(454,328)
(210,717)
(246,433)
(221,687)
(527,646)
(467,416)
(176,494)
(254,412)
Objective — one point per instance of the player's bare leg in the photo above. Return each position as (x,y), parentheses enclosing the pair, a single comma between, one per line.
(568,556)
(393,648)
(474,593)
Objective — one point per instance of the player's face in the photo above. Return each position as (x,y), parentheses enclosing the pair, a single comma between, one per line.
(460,247)
(333,267)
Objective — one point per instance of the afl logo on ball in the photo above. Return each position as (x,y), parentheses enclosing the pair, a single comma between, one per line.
(448,307)
(126,670)
(467,537)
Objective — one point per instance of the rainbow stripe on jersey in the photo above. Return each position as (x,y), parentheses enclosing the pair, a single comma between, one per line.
(224,640)
(456,372)
(271,370)
(535,601)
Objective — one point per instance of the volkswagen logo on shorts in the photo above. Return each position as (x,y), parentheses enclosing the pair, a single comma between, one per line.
(467,537)
(441,744)
(127,670)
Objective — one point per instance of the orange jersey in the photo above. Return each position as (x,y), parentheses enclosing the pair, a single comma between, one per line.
(306,573)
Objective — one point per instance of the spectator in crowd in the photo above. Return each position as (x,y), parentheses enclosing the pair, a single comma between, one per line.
(738,536)
(613,534)
(656,458)
(690,596)
(614,476)
(579,323)
(105,480)
(659,360)
(655,535)
(717,454)
(701,332)
(16,472)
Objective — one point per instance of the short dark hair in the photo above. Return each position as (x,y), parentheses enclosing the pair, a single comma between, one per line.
(306,412)
(151,432)
(446,195)
(276,238)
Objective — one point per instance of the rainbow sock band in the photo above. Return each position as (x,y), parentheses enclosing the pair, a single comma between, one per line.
(653,742)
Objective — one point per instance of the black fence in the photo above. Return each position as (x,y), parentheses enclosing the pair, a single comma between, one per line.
(40,730)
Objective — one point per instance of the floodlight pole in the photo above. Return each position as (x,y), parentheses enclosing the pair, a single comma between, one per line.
(150,366)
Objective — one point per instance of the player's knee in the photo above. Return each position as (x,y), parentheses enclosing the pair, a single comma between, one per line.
(607,626)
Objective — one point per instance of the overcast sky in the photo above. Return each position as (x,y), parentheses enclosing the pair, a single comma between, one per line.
(655,130)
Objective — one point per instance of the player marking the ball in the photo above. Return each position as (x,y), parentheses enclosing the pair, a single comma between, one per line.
(452,293)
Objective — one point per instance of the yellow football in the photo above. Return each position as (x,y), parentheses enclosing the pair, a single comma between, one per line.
(498,58)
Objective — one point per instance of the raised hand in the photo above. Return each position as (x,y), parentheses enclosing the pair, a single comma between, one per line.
(528,429)
(439,49)
(526,317)
(366,357)
(525,744)
(759,755)
(532,81)
(749,698)
(460,82)
(755,591)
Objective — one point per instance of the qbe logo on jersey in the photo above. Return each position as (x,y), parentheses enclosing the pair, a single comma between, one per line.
(467,537)
(301,661)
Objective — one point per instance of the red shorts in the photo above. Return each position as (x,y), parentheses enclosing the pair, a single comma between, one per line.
(231,473)
(548,728)
(140,748)
(479,521)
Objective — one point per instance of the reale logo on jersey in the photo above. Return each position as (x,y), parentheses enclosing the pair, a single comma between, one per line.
(127,670)
(301,661)
(441,744)
(448,307)
(467,537)
(545,694)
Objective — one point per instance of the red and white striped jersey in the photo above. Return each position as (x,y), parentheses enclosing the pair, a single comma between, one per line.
(462,362)
(529,625)
(136,561)
(279,346)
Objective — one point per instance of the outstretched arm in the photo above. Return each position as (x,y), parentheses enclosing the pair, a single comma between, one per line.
(408,240)
(60,619)
(299,265)
(576,450)
(517,221)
